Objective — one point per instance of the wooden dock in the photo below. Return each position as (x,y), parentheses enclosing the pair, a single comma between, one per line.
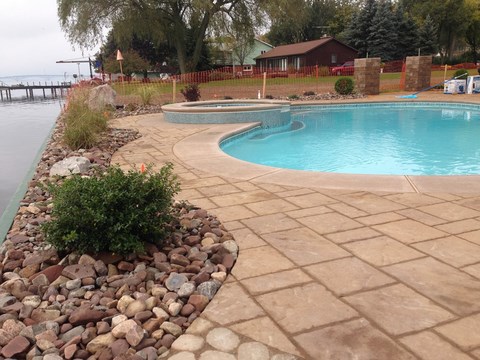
(56,90)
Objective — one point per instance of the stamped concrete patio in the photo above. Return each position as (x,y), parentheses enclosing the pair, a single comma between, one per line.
(329,267)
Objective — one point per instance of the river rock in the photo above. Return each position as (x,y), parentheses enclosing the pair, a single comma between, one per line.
(72,333)
(120,330)
(73,284)
(41,315)
(174,308)
(208,288)
(100,268)
(83,316)
(52,272)
(117,319)
(100,342)
(175,281)
(200,302)
(135,307)
(160,313)
(7,301)
(171,328)
(71,165)
(13,327)
(219,276)
(69,351)
(78,271)
(186,289)
(232,247)
(134,335)
(119,346)
(16,346)
(123,303)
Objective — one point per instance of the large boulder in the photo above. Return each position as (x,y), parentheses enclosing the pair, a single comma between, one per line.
(69,166)
(101,96)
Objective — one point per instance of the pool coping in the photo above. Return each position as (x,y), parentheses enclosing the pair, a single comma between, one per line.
(202,151)
(199,107)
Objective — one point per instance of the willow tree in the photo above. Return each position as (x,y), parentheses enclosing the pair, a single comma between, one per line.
(180,22)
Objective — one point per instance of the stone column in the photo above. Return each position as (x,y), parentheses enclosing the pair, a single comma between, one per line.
(418,72)
(367,76)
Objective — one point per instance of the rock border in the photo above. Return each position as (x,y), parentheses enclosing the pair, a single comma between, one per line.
(65,306)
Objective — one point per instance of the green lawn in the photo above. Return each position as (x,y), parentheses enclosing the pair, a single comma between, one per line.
(160,88)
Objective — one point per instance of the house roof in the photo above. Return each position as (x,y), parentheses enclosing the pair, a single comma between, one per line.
(265,43)
(298,48)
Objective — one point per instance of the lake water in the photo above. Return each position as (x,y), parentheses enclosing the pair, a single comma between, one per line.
(24,127)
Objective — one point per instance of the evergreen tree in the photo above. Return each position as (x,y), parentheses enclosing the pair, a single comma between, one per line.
(428,37)
(382,39)
(407,34)
(472,37)
(359,31)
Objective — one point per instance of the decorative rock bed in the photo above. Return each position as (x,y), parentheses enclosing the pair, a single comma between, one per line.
(69,306)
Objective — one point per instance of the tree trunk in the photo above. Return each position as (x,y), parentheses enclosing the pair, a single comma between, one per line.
(199,37)
(181,53)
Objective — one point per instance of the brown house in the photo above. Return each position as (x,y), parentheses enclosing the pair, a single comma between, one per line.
(326,51)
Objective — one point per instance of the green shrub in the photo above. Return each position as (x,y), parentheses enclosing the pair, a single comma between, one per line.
(269,97)
(344,86)
(191,92)
(82,124)
(460,74)
(113,212)
(309,93)
(293,97)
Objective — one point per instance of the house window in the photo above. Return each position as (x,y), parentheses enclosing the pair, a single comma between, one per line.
(247,68)
(263,52)
(296,62)
(334,58)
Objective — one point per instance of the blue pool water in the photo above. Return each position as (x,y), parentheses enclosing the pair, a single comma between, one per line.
(392,139)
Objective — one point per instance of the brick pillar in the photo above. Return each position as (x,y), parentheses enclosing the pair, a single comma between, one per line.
(367,76)
(418,72)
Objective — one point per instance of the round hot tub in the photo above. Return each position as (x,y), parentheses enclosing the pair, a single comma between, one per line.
(270,113)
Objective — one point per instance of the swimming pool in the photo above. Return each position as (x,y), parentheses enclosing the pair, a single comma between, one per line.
(382,138)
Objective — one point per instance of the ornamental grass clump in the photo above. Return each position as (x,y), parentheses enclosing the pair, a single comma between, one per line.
(83,125)
(146,94)
(114,212)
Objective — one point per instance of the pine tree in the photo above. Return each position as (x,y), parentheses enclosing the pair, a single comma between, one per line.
(407,34)
(428,37)
(359,30)
(382,41)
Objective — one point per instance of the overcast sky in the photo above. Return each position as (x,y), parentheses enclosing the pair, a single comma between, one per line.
(31,40)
